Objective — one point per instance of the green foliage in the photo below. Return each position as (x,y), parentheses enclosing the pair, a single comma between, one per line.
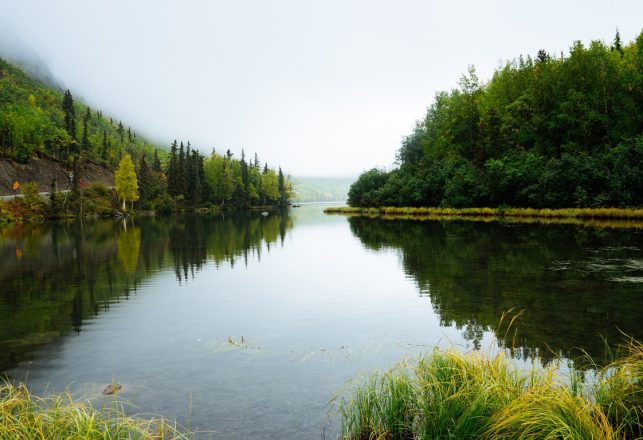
(232,182)
(35,118)
(450,395)
(125,180)
(544,133)
(28,417)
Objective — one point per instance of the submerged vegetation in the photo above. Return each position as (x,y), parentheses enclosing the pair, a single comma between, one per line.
(24,416)
(448,394)
(545,132)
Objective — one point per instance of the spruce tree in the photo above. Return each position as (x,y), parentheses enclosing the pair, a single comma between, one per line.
(281,186)
(105,146)
(85,145)
(156,163)
(70,116)
(244,170)
(121,132)
(172,171)
(181,181)
(617,42)
(145,179)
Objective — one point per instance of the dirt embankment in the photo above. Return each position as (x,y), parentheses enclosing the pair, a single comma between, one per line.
(43,170)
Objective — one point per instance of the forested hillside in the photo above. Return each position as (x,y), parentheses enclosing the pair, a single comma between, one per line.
(551,131)
(68,136)
(35,118)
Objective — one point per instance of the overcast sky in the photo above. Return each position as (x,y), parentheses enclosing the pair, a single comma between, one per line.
(325,88)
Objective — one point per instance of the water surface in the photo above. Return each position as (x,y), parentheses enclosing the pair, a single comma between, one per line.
(247,326)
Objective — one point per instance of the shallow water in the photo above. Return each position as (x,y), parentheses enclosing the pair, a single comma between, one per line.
(247,326)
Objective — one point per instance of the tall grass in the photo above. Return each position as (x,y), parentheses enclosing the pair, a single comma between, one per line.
(599,217)
(452,395)
(24,416)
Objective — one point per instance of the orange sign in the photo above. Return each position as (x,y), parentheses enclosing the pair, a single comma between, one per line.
(16,185)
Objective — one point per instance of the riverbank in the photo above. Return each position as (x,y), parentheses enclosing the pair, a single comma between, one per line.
(24,416)
(94,201)
(448,394)
(599,217)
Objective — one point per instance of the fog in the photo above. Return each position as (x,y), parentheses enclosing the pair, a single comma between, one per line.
(321,88)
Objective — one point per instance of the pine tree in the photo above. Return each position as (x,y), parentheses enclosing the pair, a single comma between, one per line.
(129,134)
(181,181)
(70,116)
(85,145)
(281,186)
(172,171)
(121,132)
(194,189)
(105,146)
(244,170)
(145,178)
(156,163)
(617,42)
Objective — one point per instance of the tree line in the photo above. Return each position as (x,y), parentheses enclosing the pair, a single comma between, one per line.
(37,119)
(191,180)
(544,132)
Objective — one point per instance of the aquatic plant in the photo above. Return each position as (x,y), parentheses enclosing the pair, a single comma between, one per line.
(598,217)
(448,394)
(24,416)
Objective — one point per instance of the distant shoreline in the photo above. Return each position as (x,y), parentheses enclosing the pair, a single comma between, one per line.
(599,217)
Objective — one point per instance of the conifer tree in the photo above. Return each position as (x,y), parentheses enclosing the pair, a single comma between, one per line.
(85,145)
(617,42)
(121,132)
(181,181)
(104,146)
(244,170)
(145,178)
(156,163)
(281,186)
(70,116)
(172,171)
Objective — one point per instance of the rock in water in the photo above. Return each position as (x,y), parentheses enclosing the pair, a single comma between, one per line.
(265,213)
(112,388)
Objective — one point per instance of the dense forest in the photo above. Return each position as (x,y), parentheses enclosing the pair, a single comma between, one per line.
(546,132)
(37,119)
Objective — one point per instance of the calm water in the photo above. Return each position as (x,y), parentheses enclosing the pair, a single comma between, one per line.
(247,326)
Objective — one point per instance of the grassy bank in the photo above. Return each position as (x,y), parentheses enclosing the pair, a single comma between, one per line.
(448,394)
(24,416)
(601,217)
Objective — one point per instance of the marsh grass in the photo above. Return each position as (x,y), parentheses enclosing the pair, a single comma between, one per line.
(451,395)
(598,217)
(24,416)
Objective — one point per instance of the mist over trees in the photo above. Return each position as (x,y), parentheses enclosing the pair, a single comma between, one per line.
(37,119)
(544,132)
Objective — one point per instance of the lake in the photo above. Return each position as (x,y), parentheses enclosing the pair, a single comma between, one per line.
(247,326)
